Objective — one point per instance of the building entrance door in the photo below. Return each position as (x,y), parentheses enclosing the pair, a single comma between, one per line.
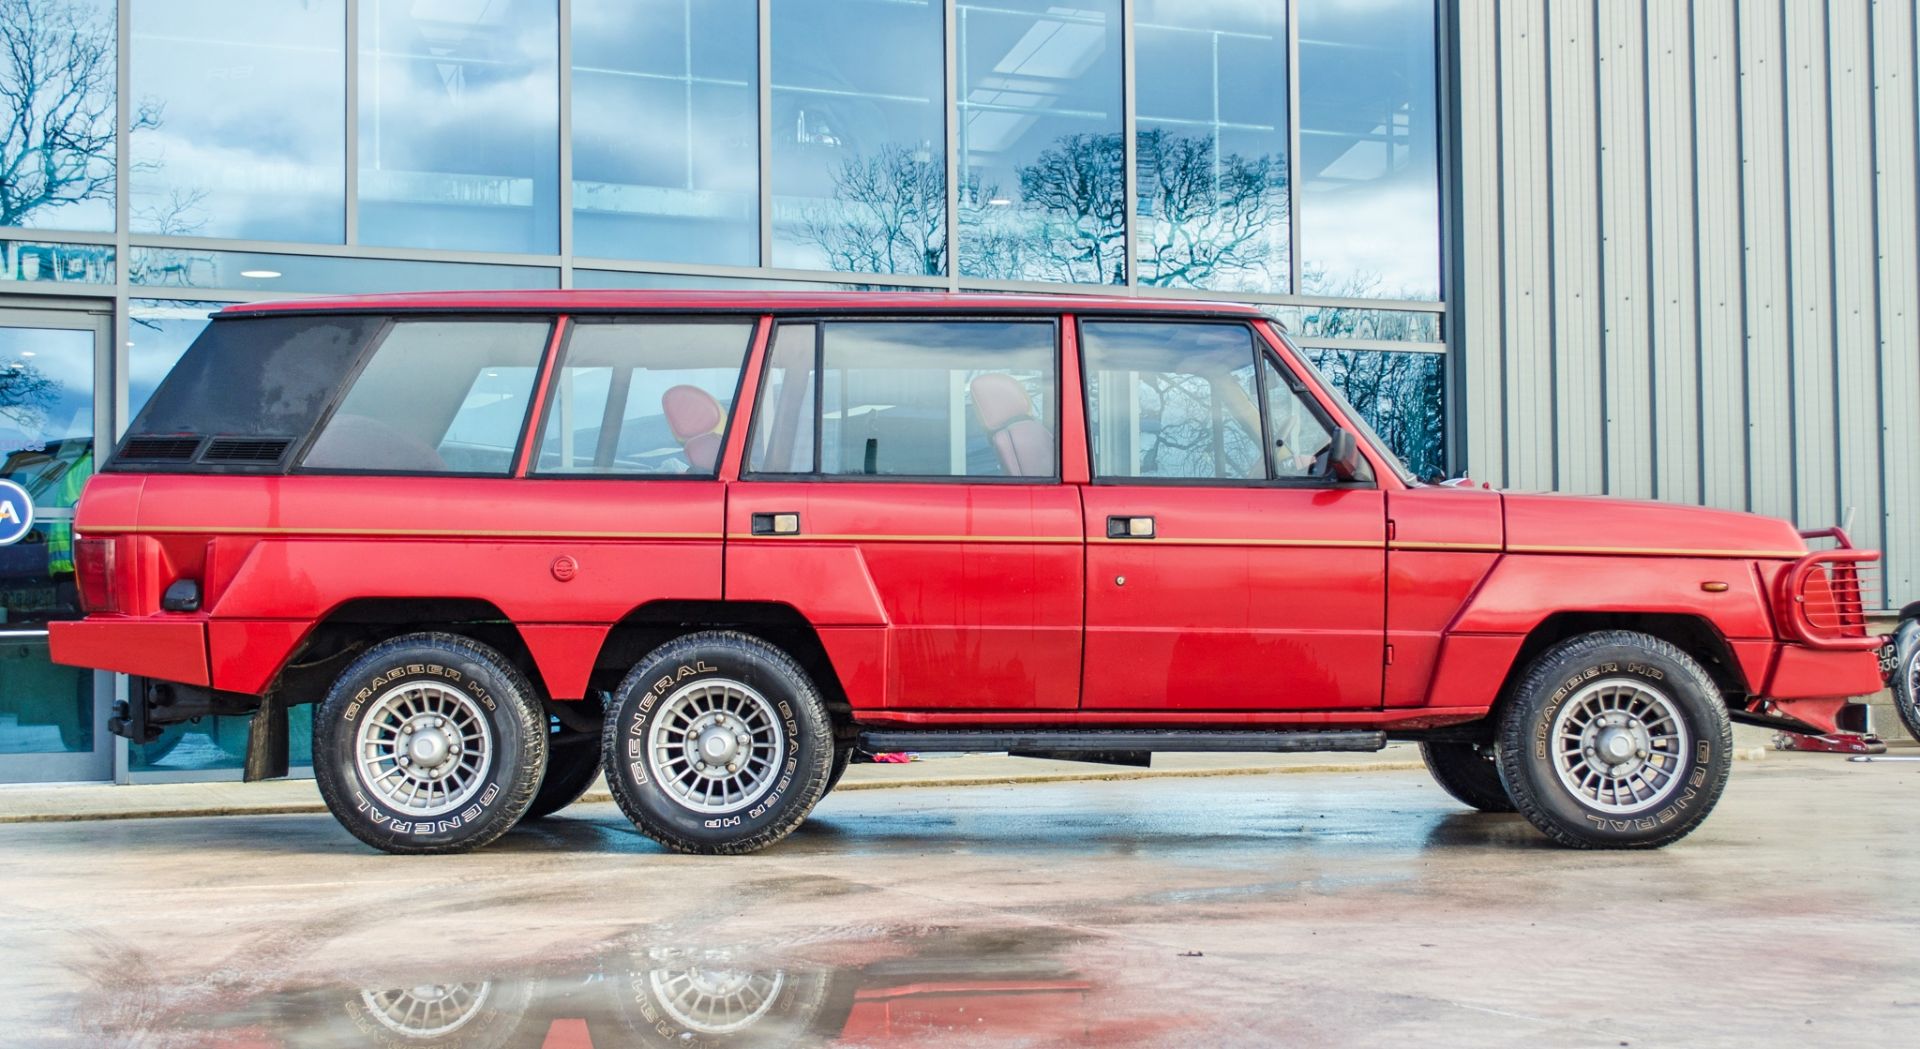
(52,718)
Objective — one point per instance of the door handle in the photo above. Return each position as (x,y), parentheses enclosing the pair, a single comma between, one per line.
(781,523)
(1129,528)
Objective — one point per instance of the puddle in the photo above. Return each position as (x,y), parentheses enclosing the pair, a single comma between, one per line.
(965,990)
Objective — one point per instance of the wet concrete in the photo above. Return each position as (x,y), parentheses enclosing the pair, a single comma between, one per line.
(1318,909)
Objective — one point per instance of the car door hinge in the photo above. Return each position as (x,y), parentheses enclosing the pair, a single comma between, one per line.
(1392,530)
(1389,655)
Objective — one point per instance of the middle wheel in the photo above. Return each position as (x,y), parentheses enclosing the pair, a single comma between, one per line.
(717,743)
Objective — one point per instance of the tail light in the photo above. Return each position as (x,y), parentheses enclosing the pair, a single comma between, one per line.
(93,575)
(1824,596)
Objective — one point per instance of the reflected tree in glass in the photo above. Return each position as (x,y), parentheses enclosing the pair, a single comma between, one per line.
(1402,395)
(57,93)
(859,136)
(1042,167)
(1211,207)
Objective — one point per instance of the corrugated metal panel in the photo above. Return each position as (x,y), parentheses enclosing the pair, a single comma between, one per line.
(1897,170)
(1670,234)
(1578,460)
(1810,262)
(1623,261)
(1763,178)
(1690,255)
(1477,61)
(1524,212)
(1723,414)
(1856,351)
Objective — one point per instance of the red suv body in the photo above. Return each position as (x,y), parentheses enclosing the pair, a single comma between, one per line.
(1078,527)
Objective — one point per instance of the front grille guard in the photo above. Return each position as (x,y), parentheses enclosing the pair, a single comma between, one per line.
(1823,597)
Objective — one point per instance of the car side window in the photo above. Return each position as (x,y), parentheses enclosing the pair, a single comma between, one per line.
(1172,401)
(1296,433)
(642,397)
(920,399)
(436,397)
(785,420)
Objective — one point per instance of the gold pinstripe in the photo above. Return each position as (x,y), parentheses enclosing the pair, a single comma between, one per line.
(1162,540)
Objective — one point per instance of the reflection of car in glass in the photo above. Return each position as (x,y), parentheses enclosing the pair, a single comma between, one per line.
(36,585)
(25,571)
(722,540)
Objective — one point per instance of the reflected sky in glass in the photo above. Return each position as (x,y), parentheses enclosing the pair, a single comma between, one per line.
(666,141)
(249,139)
(161,331)
(69,114)
(859,136)
(1042,163)
(1211,97)
(1369,156)
(459,124)
(308,274)
(46,386)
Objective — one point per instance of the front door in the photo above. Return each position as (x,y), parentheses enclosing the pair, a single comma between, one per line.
(52,718)
(901,489)
(1222,574)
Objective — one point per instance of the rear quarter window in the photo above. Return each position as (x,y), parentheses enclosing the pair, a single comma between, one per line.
(438,396)
(267,379)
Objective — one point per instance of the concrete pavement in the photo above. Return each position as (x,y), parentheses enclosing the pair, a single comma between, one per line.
(1252,910)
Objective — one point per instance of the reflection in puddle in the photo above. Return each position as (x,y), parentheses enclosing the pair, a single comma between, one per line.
(980,991)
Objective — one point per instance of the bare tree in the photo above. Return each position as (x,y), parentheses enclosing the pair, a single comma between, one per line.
(888,214)
(57,91)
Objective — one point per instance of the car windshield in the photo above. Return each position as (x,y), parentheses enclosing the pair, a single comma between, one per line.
(1359,421)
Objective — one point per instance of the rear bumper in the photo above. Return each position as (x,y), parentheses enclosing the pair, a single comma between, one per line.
(171,648)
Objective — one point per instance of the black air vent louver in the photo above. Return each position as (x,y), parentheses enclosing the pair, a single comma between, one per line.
(245,450)
(161,449)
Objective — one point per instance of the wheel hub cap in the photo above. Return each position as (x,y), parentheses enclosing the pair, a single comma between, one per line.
(423,748)
(716,745)
(1619,745)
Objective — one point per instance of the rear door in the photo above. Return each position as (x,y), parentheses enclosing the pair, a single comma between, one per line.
(1221,574)
(901,489)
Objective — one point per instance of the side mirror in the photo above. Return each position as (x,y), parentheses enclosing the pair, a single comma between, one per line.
(1343,456)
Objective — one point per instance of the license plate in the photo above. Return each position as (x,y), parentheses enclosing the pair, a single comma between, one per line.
(1888,658)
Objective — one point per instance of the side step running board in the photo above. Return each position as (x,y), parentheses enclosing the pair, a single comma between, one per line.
(1163,741)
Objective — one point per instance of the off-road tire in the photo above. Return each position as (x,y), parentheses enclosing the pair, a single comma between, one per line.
(510,775)
(571,768)
(1528,768)
(669,676)
(1468,771)
(842,757)
(1906,671)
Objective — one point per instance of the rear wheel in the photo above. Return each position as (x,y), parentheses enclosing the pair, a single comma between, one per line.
(717,743)
(429,743)
(1906,674)
(571,767)
(1469,772)
(842,757)
(1615,740)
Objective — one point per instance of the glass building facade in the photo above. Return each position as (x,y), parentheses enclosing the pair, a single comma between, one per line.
(166,157)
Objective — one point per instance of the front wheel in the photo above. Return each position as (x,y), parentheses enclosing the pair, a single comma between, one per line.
(429,743)
(717,743)
(1615,740)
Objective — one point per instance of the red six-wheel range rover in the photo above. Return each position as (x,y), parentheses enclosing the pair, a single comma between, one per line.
(715,543)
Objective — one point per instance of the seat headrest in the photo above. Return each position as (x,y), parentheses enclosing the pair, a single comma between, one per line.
(691,411)
(999,400)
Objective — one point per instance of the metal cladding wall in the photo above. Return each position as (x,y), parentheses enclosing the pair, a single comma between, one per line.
(1686,256)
